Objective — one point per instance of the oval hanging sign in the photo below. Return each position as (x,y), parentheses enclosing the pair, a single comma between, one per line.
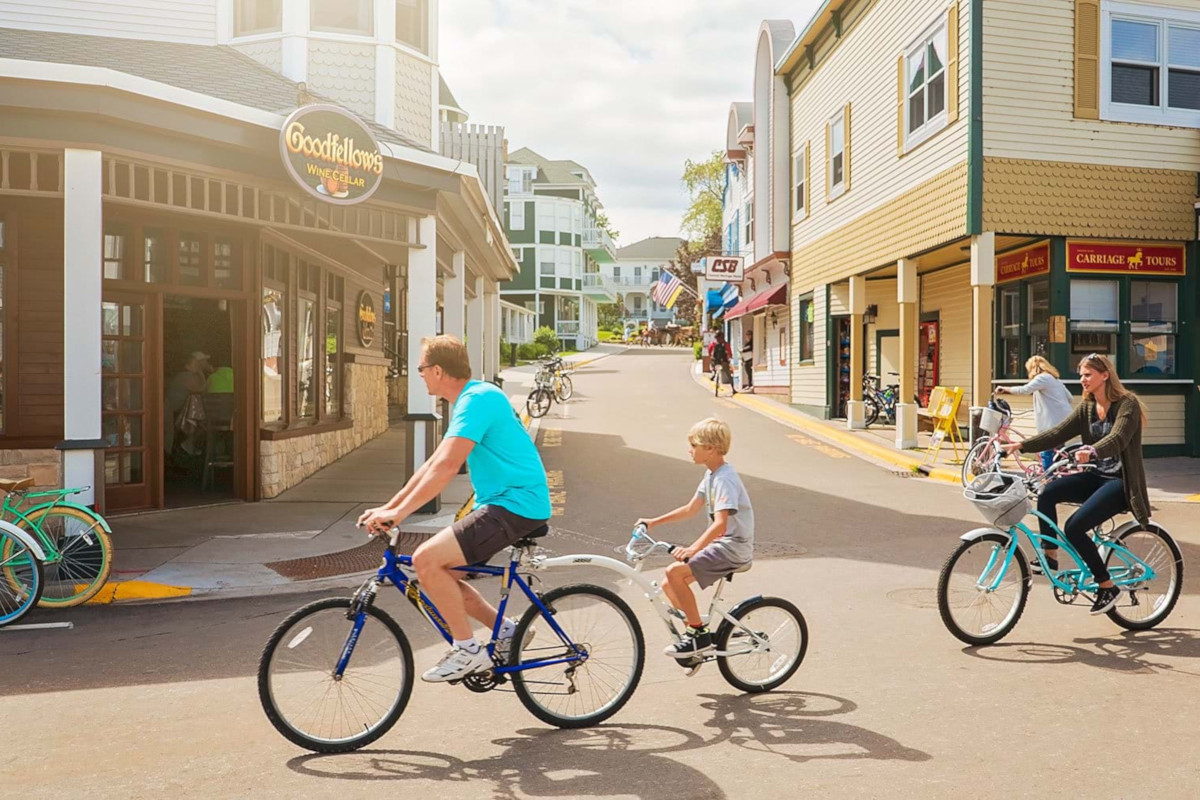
(366,319)
(331,154)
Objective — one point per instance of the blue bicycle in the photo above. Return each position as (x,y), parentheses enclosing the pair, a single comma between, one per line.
(985,583)
(337,674)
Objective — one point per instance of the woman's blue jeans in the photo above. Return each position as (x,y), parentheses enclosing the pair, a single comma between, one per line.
(1101,498)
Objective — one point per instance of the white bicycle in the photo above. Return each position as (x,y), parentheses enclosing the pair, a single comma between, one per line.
(759,642)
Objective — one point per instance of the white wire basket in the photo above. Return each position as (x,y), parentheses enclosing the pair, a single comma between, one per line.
(1001,500)
(990,420)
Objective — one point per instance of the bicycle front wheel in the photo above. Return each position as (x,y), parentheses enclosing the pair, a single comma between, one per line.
(564,389)
(1145,603)
(980,595)
(21,579)
(318,710)
(765,647)
(981,459)
(600,627)
(84,555)
(538,402)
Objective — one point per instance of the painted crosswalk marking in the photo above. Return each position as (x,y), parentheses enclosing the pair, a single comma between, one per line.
(820,447)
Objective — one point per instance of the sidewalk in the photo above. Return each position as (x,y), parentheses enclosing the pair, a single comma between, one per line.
(1170,480)
(304,539)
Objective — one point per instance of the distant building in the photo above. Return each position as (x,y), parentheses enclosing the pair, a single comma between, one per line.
(634,274)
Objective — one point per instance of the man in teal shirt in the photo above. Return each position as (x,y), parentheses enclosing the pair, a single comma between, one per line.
(512,499)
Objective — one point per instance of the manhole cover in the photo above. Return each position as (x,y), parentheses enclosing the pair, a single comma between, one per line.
(916,598)
(347,562)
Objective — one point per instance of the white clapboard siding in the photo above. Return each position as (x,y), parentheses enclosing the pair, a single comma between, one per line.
(778,345)
(862,71)
(483,146)
(1165,416)
(948,292)
(1028,100)
(190,21)
(809,380)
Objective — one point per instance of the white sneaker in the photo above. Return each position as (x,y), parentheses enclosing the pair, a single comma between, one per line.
(504,644)
(457,664)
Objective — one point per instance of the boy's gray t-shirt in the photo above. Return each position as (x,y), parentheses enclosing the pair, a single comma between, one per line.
(722,489)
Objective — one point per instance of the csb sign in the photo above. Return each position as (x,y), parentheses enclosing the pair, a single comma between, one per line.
(1024,263)
(724,268)
(331,155)
(1120,258)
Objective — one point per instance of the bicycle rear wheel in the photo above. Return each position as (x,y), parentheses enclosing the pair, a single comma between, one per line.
(565,389)
(323,713)
(84,560)
(971,610)
(21,579)
(762,667)
(983,457)
(1146,603)
(576,694)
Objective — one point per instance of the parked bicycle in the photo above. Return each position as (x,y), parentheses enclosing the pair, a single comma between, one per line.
(76,542)
(985,583)
(880,401)
(551,382)
(21,573)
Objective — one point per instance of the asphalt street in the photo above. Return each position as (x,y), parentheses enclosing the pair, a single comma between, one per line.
(160,700)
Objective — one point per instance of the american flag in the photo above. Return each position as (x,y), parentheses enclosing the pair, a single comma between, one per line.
(667,290)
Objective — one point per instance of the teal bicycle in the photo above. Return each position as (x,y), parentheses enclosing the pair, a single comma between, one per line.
(985,583)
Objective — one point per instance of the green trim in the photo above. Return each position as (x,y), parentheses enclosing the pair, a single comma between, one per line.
(545,237)
(565,238)
(975,124)
(1164,450)
(880,335)
(830,360)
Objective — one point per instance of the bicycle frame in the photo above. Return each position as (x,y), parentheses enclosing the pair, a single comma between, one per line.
(60,501)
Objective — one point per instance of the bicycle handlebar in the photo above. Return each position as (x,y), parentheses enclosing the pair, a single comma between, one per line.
(641,532)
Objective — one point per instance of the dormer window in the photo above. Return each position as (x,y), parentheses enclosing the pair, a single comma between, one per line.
(355,17)
(412,24)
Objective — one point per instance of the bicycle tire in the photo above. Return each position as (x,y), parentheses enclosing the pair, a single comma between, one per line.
(84,567)
(566,389)
(999,630)
(538,403)
(298,737)
(727,631)
(23,579)
(871,411)
(1163,610)
(555,600)
(974,459)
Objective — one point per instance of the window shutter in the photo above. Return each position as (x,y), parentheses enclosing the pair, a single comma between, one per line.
(828,161)
(952,63)
(807,181)
(1087,59)
(900,100)
(846,148)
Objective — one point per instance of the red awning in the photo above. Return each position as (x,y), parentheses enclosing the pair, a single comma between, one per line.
(776,296)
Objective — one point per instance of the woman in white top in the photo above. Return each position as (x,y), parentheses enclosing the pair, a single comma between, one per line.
(1051,400)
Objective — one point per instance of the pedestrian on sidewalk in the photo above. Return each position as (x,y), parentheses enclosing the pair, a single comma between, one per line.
(512,500)
(1051,400)
(748,361)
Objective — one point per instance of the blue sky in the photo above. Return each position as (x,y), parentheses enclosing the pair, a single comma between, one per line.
(628,89)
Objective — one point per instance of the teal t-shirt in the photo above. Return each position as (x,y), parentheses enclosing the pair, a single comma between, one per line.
(504,465)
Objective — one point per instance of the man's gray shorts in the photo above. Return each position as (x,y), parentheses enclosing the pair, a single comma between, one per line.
(489,529)
(711,564)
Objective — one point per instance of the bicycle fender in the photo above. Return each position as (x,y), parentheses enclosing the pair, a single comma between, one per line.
(24,538)
(103,522)
(979,533)
(1133,525)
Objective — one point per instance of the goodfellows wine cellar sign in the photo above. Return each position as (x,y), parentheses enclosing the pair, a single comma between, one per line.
(331,154)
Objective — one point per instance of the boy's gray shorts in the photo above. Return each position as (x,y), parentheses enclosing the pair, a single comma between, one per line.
(711,564)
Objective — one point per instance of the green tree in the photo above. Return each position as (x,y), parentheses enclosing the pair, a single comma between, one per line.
(608,315)
(704,182)
(603,224)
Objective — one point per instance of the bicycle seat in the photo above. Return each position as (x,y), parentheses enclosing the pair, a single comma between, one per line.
(536,533)
(743,568)
(16,486)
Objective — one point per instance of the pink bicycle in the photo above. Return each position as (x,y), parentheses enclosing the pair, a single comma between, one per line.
(985,455)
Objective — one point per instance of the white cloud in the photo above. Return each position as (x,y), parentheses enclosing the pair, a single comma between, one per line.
(628,89)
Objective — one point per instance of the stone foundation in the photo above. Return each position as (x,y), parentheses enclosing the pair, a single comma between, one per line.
(44,466)
(286,462)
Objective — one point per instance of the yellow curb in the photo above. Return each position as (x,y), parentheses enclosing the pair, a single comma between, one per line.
(137,590)
(1195,498)
(843,438)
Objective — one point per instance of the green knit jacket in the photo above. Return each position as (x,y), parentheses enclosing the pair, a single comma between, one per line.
(1123,441)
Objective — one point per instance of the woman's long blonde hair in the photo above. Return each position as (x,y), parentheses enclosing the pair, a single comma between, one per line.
(1038,364)
(1114,390)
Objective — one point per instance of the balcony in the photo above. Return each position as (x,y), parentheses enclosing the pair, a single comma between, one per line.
(599,245)
(636,314)
(599,287)
(623,282)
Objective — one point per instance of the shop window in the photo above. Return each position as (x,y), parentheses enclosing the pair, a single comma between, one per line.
(227,263)
(343,16)
(1153,321)
(925,86)
(1094,317)
(412,24)
(116,255)
(1151,67)
(156,257)
(333,360)
(1037,309)
(274,304)
(805,312)
(191,260)
(1010,332)
(306,342)
(257,16)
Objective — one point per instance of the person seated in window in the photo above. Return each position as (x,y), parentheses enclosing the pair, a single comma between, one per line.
(179,414)
(220,381)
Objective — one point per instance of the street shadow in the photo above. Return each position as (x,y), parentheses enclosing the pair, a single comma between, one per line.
(608,760)
(1132,652)
(795,726)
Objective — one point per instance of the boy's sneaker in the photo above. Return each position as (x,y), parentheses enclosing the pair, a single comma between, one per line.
(1105,599)
(693,643)
(457,664)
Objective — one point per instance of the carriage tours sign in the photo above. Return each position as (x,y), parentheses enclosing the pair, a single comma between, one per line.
(1118,257)
(331,154)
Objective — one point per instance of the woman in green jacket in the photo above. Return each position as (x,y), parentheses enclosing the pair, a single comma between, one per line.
(1110,419)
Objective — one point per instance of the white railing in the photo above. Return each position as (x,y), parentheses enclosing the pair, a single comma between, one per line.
(637,313)
(634,280)
(599,239)
(597,280)
(517,323)
(483,146)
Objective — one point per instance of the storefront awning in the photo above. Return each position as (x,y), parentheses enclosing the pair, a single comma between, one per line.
(776,296)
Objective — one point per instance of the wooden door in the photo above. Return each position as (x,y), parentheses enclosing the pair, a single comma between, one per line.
(131,403)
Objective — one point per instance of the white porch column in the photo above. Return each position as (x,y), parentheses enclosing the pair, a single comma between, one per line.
(83,225)
(475,329)
(910,330)
(983,280)
(855,408)
(421,420)
(294,56)
(385,63)
(454,297)
(491,331)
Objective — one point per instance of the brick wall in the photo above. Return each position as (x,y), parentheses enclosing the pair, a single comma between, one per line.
(44,466)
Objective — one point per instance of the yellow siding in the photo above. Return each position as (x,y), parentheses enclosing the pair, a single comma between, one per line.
(1064,199)
(809,382)
(948,292)
(883,295)
(1028,100)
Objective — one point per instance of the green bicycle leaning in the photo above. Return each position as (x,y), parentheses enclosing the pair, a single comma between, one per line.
(985,582)
(77,541)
